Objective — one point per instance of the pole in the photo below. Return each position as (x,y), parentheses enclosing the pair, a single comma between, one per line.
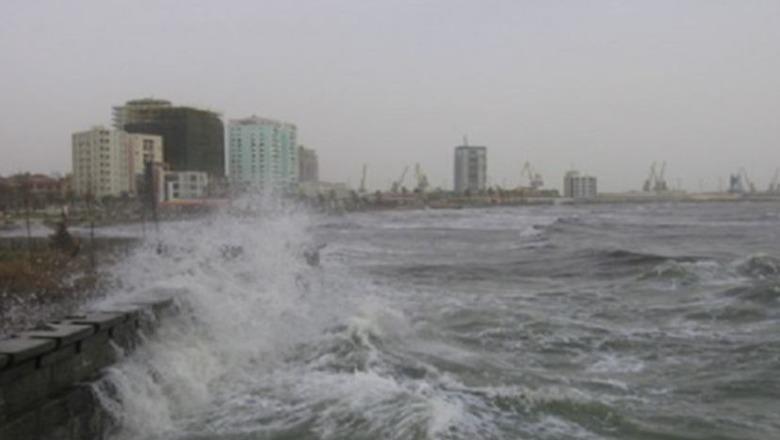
(26,190)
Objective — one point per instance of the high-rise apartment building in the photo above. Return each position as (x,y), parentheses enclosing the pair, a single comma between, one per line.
(143,149)
(263,154)
(110,162)
(578,186)
(470,168)
(193,139)
(308,167)
(100,163)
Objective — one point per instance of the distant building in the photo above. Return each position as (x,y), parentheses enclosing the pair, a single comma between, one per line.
(193,139)
(184,185)
(578,186)
(111,162)
(470,168)
(337,190)
(263,154)
(100,163)
(308,166)
(37,190)
(143,149)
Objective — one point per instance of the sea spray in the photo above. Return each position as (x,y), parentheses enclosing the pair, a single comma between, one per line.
(451,325)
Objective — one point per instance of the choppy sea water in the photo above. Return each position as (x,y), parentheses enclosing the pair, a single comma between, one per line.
(591,322)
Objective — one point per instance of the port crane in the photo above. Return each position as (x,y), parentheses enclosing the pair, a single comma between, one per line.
(751,186)
(741,183)
(535,180)
(651,179)
(774,184)
(397,185)
(656,180)
(422,179)
(660,183)
(362,188)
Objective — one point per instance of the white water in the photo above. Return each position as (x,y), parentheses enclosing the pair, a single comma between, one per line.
(501,323)
(224,364)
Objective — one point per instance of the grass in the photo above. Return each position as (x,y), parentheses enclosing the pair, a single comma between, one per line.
(45,284)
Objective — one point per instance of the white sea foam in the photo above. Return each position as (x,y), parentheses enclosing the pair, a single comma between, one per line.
(268,347)
(230,361)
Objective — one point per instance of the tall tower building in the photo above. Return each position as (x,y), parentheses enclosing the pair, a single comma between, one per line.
(100,163)
(193,139)
(143,149)
(263,153)
(470,168)
(308,166)
(577,186)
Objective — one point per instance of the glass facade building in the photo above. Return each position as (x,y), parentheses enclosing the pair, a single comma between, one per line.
(193,139)
(263,154)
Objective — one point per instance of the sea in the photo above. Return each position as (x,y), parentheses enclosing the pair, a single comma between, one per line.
(646,321)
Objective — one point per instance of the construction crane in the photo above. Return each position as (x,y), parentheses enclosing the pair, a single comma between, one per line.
(399,183)
(651,180)
(740,183)
(362,189)
(735,184)
(660,183)
(422,179)
(535,180)
(750,185)
(656,180)
(774,184)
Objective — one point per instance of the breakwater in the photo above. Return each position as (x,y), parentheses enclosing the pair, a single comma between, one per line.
(46,372)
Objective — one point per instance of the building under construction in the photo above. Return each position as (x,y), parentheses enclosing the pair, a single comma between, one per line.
(193,139)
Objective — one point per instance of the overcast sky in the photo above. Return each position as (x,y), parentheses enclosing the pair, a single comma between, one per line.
(604,86)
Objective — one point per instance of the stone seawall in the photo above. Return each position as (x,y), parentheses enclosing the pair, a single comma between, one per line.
(45,373)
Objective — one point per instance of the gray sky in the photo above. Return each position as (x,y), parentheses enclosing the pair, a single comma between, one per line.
(605,86)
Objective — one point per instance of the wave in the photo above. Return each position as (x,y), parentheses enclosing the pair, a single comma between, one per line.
(759,266)
(685,272)
(268,347)
(763,292)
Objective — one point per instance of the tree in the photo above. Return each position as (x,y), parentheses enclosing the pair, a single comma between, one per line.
(62,240)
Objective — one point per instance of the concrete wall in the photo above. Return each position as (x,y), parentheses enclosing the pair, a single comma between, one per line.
(45,372)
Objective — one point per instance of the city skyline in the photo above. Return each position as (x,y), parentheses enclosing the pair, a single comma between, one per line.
(607,87)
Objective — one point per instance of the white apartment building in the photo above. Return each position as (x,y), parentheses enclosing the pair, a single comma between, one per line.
(100,163)
(107,162)
(578,186)
(184,185)
(263,154)
(143,148)
(470,168)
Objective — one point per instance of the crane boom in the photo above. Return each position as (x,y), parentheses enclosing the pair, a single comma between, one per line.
(773,184)
(535,180)
(660,181)
(362,188)
(651,179)
(399,183)
(750,185)
(422,179)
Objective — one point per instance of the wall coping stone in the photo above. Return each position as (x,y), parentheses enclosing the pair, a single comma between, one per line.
(20,349)
(99,320)
(63,334)
(131,312)
(54,359)
(156,305)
